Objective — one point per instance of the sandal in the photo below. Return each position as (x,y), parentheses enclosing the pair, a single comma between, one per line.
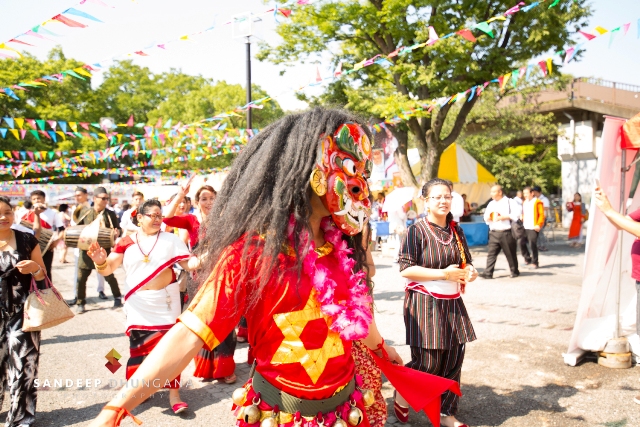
(179,407)
(401,413)
(230,379)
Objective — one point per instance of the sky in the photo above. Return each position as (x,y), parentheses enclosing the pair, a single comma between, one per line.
(130,26)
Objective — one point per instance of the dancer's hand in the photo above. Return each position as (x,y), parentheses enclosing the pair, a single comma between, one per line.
(602,201)
(184,190)
(455,274)
(97,254)
(393,354)
(472,273)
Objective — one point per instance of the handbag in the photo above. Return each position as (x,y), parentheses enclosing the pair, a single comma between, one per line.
(44,308)
(517,227)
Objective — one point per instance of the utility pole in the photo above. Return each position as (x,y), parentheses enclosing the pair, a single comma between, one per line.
(248,43)
(243,28)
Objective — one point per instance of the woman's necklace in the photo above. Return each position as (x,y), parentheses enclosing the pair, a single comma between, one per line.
(146,256)
(435,236)
(4,243)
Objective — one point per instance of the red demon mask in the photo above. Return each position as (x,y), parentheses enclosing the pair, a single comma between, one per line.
(340,177)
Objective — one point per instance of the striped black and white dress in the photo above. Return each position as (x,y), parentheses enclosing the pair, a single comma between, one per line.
(433,323)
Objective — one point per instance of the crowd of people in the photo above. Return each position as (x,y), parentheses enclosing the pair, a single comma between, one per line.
(284,244)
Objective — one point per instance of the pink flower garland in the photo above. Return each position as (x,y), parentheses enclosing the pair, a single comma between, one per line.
(351,318)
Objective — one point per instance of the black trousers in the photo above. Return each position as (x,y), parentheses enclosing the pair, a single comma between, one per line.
(83,275)
(532,238)
(47,259)
(502,240)
(444,363)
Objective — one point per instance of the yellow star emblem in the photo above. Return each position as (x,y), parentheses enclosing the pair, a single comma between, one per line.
(292,349)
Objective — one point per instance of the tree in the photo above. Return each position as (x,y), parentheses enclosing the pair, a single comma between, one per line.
(492,134)
(349,32)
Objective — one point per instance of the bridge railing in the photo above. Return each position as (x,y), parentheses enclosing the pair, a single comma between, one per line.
(605,91)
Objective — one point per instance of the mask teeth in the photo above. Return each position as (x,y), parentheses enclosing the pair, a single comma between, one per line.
(361,219)
(347,207)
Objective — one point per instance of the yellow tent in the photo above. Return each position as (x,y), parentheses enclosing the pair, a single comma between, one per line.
(468,176)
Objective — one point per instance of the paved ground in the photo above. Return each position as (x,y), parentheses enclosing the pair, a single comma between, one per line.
(513,374)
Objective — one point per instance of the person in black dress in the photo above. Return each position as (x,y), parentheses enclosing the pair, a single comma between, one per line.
(20,263)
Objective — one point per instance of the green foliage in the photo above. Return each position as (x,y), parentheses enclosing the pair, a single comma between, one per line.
(127,89)
(352,31)
(493,136)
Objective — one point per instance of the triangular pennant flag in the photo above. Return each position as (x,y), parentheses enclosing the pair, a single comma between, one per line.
(553,4)
(467,34)
(76,12)
(3,132)
(22,133)
(600,30)
(587,35)
(515,75)
(613,35)
(52,123)
(433,36)
(569,56)
(40,124)
(504,80)
(84,125)
(41,30)
(74,74)
(159,123)
(73,126)
(130,121)
(625,28)
(338,70)
(14,132)
(19,42)
(483,26)
(168,124)
(32,123)
(68,22)
(550,65)
(9,121)
(35,134)
(543,67)
(63,126)
(318,76)
(83,71)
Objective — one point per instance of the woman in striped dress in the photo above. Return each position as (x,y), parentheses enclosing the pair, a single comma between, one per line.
(435,261)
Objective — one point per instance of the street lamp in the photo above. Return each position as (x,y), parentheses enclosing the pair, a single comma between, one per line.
(242,26)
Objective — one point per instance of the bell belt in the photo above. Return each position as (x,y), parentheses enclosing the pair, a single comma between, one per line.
(308,408)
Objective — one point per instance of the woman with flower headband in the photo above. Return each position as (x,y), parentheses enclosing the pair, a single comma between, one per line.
(436,264)
(284,248)
(152,297)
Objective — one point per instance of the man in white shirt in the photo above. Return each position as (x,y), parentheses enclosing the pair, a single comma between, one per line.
(48,219)
(127,226)
(457,206)
(542,238)
(498,215)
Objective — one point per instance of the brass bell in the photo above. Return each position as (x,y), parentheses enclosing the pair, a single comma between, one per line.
(340,423)
(368,398)
(271,421)
(239,396)
(355,416)
(252,414)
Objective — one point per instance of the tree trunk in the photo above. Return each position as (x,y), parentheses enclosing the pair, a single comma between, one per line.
(402,160)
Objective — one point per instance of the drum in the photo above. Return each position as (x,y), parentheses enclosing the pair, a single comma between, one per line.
(46,236)
(82,236)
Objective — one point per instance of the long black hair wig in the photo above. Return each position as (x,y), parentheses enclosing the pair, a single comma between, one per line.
(267,184)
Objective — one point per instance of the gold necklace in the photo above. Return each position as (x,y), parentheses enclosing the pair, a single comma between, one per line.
(4,243)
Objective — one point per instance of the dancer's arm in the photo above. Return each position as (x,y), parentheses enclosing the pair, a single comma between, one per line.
(163,364)
(374,339)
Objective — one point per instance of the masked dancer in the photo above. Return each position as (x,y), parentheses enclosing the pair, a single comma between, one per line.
(284,245)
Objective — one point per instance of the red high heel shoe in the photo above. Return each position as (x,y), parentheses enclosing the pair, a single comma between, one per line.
(179,407)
